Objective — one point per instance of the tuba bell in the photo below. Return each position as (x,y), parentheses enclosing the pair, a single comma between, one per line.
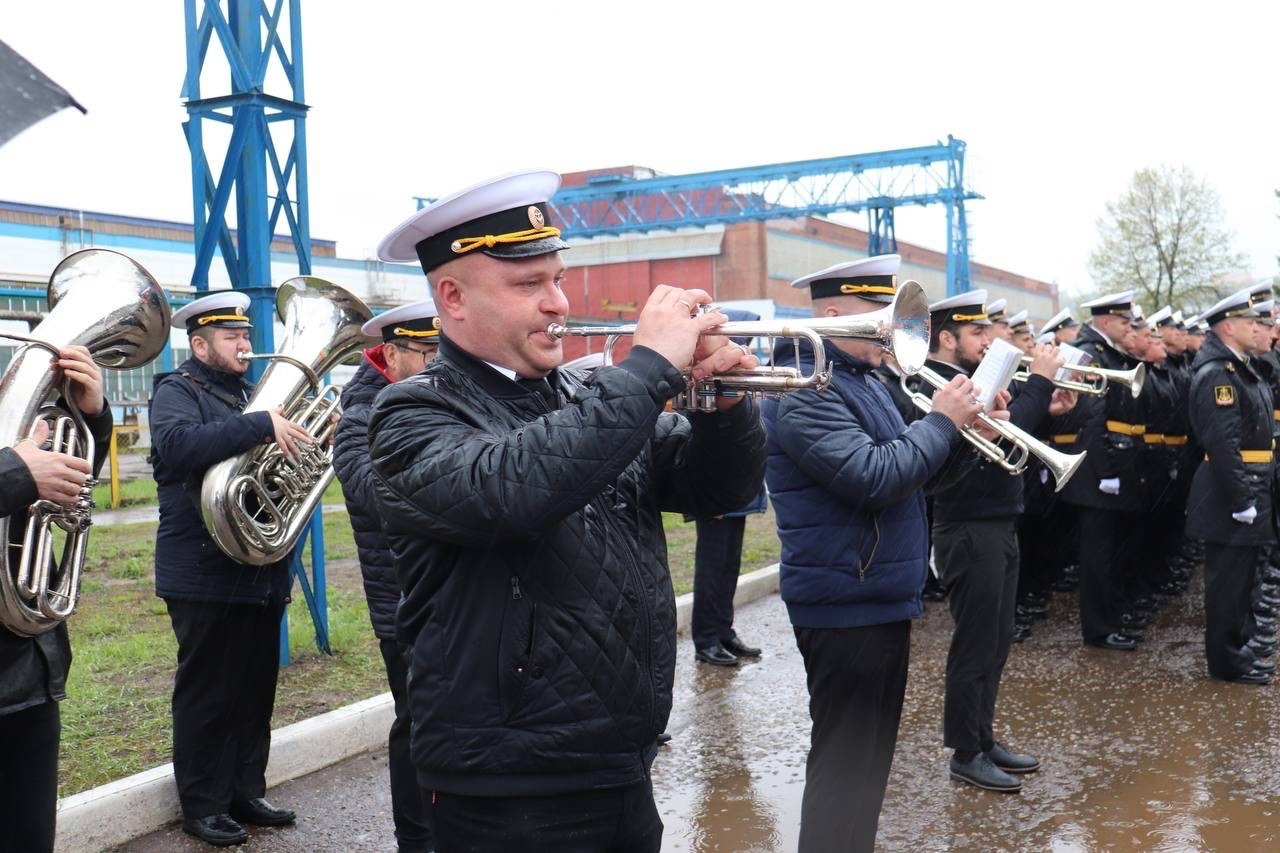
(256,505)
(106,302)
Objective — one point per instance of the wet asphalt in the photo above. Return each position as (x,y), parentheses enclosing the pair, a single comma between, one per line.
(1140,751)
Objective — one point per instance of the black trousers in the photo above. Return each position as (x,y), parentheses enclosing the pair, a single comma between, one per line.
(1228,608)
(857,679)
(29,778)
(979,564)
(408,805)
(1107,559)
(223,694)
(612,820)
(717,561)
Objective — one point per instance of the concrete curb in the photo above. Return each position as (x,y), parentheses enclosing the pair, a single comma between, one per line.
(114,813)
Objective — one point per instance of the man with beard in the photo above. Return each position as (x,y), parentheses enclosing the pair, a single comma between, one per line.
(225,615)
(976,548)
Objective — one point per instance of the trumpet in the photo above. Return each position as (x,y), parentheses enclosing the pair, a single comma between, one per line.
(1014,446)
(1097,378)
(901,328)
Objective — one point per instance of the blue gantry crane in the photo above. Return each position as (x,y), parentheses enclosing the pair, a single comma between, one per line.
(876,183)
(254,39)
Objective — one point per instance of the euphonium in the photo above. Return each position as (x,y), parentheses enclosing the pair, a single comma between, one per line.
(257,504)
(104,301)
(901,328)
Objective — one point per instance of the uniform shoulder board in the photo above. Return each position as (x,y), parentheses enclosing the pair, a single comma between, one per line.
(1231,368)
(1224,395)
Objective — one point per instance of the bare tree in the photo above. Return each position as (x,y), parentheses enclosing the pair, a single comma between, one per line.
(1165,238)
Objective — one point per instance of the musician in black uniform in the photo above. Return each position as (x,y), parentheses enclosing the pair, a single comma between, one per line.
(1230,506)
(410,335)
(226,615)
(976,548)
(1263,640)
(33,670)
(1108,490)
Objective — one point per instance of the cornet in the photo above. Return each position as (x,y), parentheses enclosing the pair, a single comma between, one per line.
(901,328)
(1098,378)
(1019,444)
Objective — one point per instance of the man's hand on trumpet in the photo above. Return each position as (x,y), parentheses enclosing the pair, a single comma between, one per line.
(1062,401)
(958,400)
(671,326)
(1045,361)
(999,412)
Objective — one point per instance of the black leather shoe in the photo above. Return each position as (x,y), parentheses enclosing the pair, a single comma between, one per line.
(1253,676)
(664,739)
(736,647)
(1262,649)
(261,813)
(717,654)
(1265,665)
(1119,642)
(981,772)
(216,829)
(1012,762)
(1021,632)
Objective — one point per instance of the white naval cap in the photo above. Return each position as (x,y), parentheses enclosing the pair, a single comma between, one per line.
(1179,320)
(1045,338)
(1163,317)
(996,311)
(1235,305)
(1062,320)
(1139,318)
(967,307)
(1259,292)
(503,217)
(419,321)
(1261,310)
(1119,304)
(1018,322)
(224,309)
(874,279)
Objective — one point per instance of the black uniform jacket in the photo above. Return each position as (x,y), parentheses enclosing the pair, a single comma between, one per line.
(196,422)
(1110,429)
(355,471)
(1164,404)
(1231,413)
(989,491)
(33,670)
(530,548)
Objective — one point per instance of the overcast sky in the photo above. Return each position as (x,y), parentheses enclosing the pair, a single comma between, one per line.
(1059,104)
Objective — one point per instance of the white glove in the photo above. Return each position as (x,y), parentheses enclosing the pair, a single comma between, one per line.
(1246,515)
(1110,486)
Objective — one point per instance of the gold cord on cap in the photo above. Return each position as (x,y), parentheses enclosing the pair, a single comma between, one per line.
(468,244)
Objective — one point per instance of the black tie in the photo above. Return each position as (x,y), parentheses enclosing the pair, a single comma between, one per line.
(542,388)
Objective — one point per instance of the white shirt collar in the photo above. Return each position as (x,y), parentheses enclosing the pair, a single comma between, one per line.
(505,371)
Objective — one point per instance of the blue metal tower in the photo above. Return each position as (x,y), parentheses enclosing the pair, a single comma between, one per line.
(877,183)
(255,41)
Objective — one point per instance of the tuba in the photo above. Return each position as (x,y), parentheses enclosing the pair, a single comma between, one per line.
(256,505)
(900,328)
(106,302)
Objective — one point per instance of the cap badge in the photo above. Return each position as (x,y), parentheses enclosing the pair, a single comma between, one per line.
(535,217)
(435,322)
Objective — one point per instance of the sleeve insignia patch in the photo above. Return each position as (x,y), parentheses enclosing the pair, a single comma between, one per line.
(1224,395)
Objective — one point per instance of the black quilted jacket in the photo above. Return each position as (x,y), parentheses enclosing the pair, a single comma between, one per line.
(529,544)
(351,464)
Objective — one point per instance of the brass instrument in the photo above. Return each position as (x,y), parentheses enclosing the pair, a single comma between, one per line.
(901,328)
(256,505)
(106,302)
(1018,445)
(1097,378)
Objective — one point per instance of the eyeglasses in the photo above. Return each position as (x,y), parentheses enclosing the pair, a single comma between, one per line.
(426,354)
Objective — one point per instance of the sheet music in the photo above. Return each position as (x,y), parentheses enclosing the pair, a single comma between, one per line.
(996,370)
(1072,355)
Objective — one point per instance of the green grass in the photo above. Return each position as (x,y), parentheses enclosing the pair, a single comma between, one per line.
(116,719)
